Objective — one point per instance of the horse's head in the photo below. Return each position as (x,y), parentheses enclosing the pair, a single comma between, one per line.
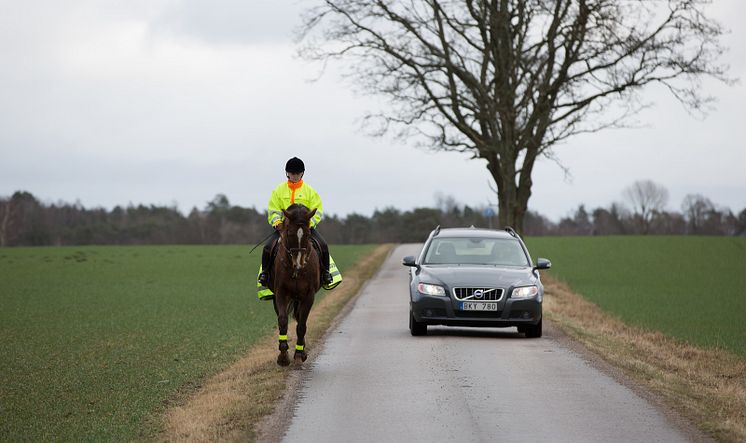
(296,235)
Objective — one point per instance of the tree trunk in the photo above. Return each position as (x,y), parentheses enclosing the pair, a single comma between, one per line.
(512,202)
(512,196)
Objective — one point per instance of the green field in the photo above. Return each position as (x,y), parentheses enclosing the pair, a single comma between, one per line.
(95,340)
(692,288)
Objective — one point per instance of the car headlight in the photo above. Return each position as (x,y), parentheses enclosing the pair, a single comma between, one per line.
(428,289)
(525,292)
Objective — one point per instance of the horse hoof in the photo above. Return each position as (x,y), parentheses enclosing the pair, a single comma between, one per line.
(300,357)
(283,359)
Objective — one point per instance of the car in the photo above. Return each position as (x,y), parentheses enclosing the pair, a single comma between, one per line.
(475,277)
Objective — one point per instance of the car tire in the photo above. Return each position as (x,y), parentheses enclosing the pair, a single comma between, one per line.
(415,327)
(532,331)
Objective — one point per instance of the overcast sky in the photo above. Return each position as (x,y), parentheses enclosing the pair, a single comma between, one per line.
(172,102)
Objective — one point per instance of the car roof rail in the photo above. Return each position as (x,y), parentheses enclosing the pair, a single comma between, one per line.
(436,230)
(511,231)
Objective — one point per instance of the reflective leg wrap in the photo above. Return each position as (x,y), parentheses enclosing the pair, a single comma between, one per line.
(299,347)
(283,343)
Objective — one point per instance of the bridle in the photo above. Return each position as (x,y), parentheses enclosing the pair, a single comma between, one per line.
(298,256)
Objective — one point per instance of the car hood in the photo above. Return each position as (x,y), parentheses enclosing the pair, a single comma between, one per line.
(477,276)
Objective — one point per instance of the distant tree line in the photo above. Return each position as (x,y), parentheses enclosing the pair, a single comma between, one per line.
(25,221)
(646,214)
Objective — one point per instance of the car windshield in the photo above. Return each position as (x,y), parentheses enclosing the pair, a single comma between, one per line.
(476,251)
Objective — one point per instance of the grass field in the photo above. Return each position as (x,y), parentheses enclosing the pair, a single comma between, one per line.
(95,341)
(691,288)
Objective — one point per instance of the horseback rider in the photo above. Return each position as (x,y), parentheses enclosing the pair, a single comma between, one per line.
(294,190)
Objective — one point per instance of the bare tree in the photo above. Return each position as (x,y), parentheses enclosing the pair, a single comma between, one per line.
(446,203)
(696,209)
(647,199)
(610,221)
(506,80)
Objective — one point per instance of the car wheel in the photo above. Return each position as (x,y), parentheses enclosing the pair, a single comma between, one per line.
(532,331)
(415,327)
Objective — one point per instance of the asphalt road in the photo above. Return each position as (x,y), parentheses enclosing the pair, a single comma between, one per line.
(374,382)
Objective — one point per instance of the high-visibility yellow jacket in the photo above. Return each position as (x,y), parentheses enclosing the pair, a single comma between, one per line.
(287,193)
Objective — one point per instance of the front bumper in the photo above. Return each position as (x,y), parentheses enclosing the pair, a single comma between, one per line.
(433,310)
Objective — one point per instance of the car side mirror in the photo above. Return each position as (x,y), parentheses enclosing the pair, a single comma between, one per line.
(409,261)
(542,263)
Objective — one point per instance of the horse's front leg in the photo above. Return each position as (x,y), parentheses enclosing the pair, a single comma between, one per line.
(300,348)
(281,303)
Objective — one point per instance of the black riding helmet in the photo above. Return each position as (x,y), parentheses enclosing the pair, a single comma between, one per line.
(295,165)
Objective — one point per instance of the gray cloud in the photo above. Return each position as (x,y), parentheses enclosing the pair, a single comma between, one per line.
(112,102)
(231,21)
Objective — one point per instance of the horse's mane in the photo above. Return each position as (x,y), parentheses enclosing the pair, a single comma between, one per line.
(297,210)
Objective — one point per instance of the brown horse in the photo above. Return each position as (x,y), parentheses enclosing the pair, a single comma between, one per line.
(295,278)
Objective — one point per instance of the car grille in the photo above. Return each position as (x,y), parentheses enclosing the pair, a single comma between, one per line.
(478,294)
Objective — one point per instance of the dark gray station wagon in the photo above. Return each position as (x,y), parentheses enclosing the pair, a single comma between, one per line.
(475,277)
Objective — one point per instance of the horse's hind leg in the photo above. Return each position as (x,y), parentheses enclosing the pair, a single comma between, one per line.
(300,348)
(282,323)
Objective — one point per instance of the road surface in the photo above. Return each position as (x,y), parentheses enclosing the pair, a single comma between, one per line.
(374,382)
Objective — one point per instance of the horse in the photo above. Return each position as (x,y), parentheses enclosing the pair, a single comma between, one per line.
(295,279)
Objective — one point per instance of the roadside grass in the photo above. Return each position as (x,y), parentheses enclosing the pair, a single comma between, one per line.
(96,341)
(691,288)
(697,367)
(706,385)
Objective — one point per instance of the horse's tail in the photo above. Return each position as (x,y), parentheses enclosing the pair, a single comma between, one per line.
(293,308)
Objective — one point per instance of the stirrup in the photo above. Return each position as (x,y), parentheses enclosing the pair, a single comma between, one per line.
(264,278)
(326,278)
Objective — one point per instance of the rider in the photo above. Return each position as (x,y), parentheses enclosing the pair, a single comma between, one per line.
(294,190)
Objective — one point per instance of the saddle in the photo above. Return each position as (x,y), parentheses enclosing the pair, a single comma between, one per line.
(266,292)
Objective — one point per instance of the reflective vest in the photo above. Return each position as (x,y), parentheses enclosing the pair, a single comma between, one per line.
(287,193)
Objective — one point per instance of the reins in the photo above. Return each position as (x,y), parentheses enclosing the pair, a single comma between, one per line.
(290,251)
(261,241)
(302,252)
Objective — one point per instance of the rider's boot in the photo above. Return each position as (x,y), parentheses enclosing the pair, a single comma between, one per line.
(326,278)
(264,276)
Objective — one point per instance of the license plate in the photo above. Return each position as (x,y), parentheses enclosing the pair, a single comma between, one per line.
(478,306)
